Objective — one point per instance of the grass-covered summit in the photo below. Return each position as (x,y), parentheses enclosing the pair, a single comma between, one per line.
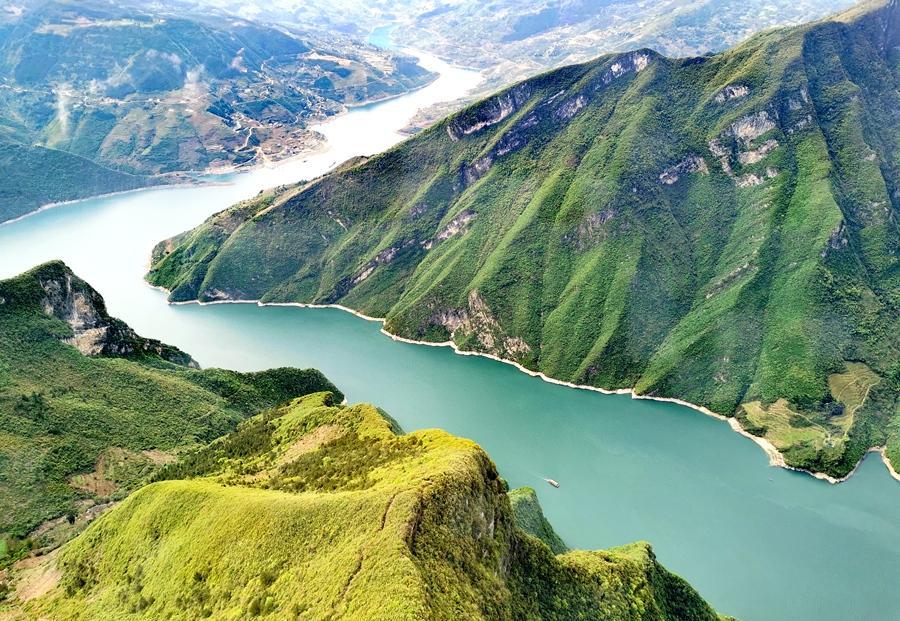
(721,229)
(89,409)
(318,511)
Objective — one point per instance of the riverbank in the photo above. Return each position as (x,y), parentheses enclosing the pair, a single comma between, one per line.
(775,457)
(351,106)
(73,201)
(188,178)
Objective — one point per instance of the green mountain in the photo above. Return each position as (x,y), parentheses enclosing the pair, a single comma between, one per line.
(530,518)
(319,511)
(89,409)
(105,95)
(721,229)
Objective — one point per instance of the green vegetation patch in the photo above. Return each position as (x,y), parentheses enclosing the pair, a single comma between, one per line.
(530,518)
(814,440)
(852,387)
(432,534)
(722,230)
(79,429)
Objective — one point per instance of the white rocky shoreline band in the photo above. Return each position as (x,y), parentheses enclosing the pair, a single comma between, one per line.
(776,458)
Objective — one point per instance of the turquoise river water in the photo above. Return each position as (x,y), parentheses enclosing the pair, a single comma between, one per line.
(760,543)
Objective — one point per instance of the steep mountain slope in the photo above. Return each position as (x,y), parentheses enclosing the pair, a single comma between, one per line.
(720,229)
(530,518)
(318,511)
(89,409)
(95,85)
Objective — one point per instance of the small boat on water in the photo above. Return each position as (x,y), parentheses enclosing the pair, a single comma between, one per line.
(552,482)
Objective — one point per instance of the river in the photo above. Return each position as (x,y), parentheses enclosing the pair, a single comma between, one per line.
(760,543)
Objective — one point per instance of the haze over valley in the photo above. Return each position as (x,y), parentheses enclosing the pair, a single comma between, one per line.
(109,96)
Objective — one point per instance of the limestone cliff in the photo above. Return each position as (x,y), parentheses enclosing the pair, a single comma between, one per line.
(70,299)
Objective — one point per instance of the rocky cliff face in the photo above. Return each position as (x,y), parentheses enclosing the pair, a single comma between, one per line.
(94,333)
(89,409)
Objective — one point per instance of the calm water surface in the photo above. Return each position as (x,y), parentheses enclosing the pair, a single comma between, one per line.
(760,543)
(381,36)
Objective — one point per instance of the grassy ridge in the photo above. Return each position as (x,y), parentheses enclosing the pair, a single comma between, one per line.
(313,511)
(530,518)
(721,229)
(79,429)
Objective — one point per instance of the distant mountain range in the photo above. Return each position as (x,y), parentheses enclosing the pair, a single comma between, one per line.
(720,229)
(101,96)
(511,40)
(106,95)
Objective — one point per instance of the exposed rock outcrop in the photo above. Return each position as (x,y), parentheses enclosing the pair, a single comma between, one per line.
(732,91)
(476,322)
(454,227)
(627,63)
(384,257)
(754,155)
(690,164)
(739,138)
(752,126)
(94,333)
(490,112)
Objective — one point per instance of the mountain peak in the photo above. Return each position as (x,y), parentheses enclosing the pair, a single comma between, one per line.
(324,509)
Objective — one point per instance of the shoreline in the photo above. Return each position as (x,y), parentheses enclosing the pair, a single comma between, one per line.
(195,178)
(386,98)
(420,56)
(882,450)
(776,458)
(256,164)
(54,205)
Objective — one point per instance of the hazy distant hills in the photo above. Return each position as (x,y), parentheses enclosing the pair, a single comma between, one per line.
(98,96)
(512,43)
(511,40)
(720,229)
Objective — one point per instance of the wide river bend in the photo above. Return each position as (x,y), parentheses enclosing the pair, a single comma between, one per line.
(760,543)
